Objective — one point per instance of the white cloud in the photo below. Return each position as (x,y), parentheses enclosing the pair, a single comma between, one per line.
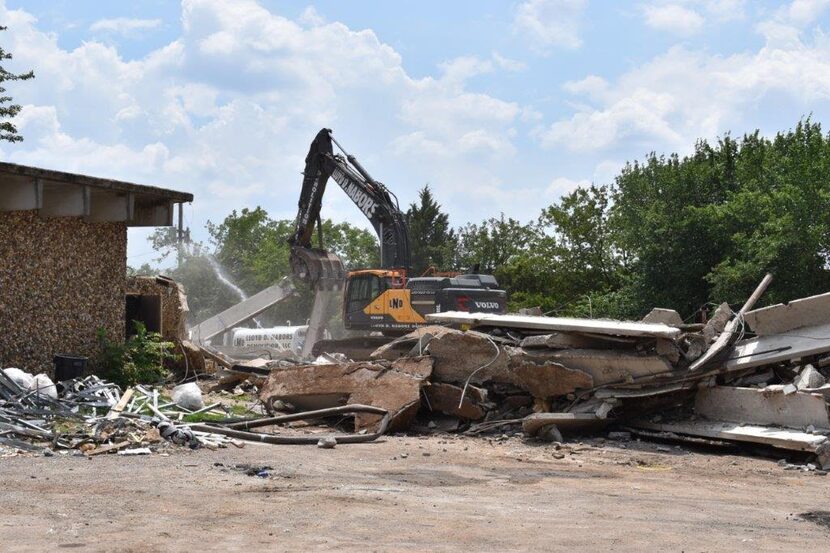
(682,95)
(802,12)
(726,10)
(786,24)
(124,25)
(673,18)
(550,23)
(560,186)
(310,16)
(593,86)
(689,17)
(227,111)
(508,64)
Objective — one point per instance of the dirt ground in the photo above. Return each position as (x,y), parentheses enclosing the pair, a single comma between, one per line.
(436,493)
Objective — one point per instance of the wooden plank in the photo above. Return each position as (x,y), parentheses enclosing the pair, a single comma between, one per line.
(594,326)
(783,438)
(762,406)
(122,403)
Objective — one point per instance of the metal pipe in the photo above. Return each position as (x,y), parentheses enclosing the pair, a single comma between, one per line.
(302,440)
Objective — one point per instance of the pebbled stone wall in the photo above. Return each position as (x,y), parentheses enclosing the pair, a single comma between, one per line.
(61,279)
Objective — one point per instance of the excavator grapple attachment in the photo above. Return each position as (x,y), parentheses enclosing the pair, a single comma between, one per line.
(318,268)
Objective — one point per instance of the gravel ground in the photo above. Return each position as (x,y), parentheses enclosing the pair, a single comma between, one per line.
(405,493)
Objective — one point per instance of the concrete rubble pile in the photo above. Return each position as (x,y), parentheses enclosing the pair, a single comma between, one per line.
(658,377)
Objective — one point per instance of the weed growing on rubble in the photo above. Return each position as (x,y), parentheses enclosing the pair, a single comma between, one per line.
(139,360)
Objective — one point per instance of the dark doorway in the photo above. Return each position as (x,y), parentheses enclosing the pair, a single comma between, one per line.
(145,309)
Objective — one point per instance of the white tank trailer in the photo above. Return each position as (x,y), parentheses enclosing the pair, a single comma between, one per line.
(279,337)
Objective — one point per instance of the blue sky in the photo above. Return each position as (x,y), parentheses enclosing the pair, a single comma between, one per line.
(500,106)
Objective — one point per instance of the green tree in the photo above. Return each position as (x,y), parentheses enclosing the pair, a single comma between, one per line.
(494,243)
(705,228)
(252,251)
(8,110)
(571,259)
(432,239)
(144,270)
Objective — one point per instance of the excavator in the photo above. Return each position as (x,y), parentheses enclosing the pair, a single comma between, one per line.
(385,299)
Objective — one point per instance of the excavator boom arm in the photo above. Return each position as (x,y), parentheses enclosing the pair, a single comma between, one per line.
(372,198)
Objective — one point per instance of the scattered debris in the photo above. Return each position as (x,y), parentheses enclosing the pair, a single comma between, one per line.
(188,396)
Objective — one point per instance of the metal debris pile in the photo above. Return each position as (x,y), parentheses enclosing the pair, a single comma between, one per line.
(91,416)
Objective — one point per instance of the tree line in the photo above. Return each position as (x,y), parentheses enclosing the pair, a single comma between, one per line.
(669,231)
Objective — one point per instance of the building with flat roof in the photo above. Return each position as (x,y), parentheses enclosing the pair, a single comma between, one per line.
(63,260)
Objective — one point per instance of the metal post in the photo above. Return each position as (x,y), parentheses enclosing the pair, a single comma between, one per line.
(180,233)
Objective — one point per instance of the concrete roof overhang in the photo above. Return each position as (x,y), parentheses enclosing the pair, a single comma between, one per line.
(61,194)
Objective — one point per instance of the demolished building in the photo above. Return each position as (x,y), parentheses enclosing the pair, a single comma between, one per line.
(63,260)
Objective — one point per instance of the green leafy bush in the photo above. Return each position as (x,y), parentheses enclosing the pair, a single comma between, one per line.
(139,360)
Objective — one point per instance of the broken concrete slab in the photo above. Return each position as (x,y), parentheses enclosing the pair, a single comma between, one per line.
(403,344)
(668,349)
(794,440)
(394,386)
(612,367)
(566,340)
(762,406)
(566,422)
(458,354)
(241,312)
(783,317)
(548,379)
(595,326)
(665,316)
(766,350)
(445,398)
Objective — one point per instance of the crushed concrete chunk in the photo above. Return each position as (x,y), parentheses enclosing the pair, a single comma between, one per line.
(445,398)
(717,323)
(809,378)
(394,386)
(403,345)
(666,316)
(458,354)
(548,379)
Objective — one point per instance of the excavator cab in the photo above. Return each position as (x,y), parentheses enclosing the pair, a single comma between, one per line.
(361,289)
(377,299)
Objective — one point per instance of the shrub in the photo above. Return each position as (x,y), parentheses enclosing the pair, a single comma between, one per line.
(139,360)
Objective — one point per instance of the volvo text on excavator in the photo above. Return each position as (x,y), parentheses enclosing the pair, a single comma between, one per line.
(382,299)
